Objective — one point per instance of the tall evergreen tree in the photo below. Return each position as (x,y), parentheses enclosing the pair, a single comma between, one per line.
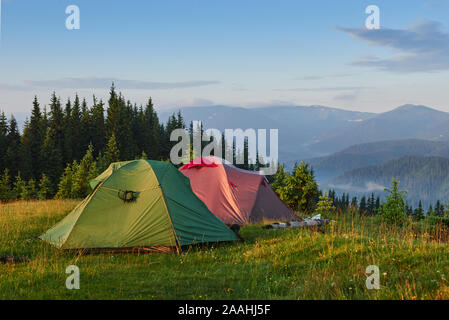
(14,148)
(52,161)
(419,212)
(112,153)
(5,186)
(54,141)
(362,206)
(45,191)
(75,124)
(85,138)
(3,140)
(86,172)
(98,128)
(32,140)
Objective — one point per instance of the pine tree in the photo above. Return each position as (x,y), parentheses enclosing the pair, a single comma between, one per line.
(14,147)
(362,206)
(280,182)
(68,132)
(31,190)
(86,171)
(52,161)
(45,190)
(325,206)
(32,140)
(431,212)
(3,140)
(394,209)
(377,206)
(85,127)
(65,184)
(56,129)
(112,153)
(150,124)
(371,204)
(75,128)
(5,187)
(19,188)
(419,212)
(439,209)
(98,132)
(301,189)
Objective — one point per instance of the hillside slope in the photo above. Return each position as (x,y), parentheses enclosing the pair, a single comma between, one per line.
(314,131)
(405,122)
(425,178)
(374,153)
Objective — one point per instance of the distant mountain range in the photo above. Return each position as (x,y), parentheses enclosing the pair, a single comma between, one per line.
(353,152)
(307,132)
(374,153)
(299,127)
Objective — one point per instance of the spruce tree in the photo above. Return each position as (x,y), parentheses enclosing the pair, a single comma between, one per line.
(52,161)
(85,138)
(86,172)
(19,187)
(75,128)
(65,184)
(3,140)
(112,153)
(419,212)
(32,140)
(14,147)
(98,130)
(31,189)
(394,208)
(68,131)
(362,206)
(45,189)
(5,187)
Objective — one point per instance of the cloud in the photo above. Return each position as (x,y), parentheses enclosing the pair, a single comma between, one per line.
(423,47)
(319,89)
(13,87)
(195,102)
(347,96)
(104,83)
(269,103)
(333,75)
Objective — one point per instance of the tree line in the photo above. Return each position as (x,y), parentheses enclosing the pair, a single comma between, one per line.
(65,145)
(299,190)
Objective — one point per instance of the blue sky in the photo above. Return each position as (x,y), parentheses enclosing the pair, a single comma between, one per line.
(244,53)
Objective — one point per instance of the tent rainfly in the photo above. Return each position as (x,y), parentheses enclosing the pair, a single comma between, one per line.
(234,195)
(139,203)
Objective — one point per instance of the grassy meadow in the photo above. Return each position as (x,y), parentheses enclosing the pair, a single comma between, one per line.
(325,263)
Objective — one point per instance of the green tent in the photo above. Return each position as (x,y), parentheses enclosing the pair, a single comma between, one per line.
(140,203)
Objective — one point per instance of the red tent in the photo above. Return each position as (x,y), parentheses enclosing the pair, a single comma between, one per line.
(234,195)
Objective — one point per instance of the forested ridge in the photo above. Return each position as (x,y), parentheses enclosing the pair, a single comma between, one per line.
(72,141)
(425,178)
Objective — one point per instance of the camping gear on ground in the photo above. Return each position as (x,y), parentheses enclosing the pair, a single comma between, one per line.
(307,222)
(234,195)
(140,203)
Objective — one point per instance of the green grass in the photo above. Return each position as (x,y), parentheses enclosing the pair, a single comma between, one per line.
(328,263)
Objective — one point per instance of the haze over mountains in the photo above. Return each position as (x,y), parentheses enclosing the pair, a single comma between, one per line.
(307,132)
(425,179)
(354,152)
